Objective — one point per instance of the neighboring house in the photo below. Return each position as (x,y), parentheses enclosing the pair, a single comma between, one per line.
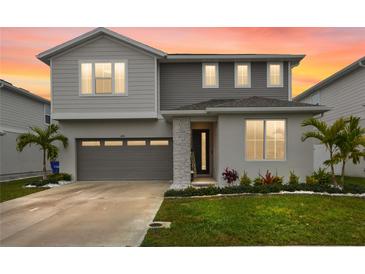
(344,92)
(132,112)
(19,110)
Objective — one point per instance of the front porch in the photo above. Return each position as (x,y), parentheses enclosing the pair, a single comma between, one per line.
(203,182)
(194,152)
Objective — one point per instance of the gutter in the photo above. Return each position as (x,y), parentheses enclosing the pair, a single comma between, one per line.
(243,110)
(314,109)
(361,64)
(183,112)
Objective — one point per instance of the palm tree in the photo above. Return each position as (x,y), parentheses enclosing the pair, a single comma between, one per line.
(327,135)
(43,137)
(351,144)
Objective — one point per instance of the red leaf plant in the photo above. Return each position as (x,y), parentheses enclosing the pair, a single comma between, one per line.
(268,178)
(230,175)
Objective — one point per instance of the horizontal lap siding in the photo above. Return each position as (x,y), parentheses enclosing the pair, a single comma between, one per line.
(181,84)
(141,79)
(346,96)
(18,111)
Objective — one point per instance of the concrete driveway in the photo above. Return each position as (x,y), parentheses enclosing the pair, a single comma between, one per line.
(82,214)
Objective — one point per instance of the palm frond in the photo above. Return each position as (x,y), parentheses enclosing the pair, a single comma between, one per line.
(59,137)
(316,123)
(27,139)
(313,134)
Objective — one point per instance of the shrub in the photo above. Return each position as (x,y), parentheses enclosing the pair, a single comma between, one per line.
(43,182)
(268,178)
(310,180)
(272,188)
(278,180)
(257,181)
(230,175)
(245,180)
(322,176)
(59,177)
(293,178)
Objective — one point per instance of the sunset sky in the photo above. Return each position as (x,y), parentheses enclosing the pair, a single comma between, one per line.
(327,49)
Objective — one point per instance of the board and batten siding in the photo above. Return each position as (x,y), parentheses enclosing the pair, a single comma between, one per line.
(141,79)
(20,112)
(181,84)
(346,96)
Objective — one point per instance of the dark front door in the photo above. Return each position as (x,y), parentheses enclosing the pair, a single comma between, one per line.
(201,150)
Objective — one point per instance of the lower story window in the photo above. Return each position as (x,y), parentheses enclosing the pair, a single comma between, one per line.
(265,140)
(136,143)
(90,143)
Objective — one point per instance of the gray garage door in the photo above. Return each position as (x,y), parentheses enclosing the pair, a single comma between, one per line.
(127,159)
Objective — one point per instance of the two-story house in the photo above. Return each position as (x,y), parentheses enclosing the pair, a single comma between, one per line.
(19,110)
(344,92)
(132,112)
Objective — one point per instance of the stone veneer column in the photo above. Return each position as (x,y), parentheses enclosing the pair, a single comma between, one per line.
(181,133)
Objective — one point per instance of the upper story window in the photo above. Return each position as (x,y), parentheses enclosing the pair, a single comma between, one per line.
(275,74)
(265,140)
(210,75)
(103,78)
(242,75)
(47,114)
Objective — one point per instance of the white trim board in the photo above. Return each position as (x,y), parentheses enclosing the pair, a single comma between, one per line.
(104,115)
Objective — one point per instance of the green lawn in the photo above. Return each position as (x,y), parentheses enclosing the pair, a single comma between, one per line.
(260,220)
(353,180)
(15,189)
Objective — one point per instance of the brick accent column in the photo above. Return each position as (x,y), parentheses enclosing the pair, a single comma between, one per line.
(181,133)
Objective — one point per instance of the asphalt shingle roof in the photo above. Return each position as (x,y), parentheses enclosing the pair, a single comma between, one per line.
(254,101)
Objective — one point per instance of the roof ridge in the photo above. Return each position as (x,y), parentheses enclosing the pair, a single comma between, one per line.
(45,55)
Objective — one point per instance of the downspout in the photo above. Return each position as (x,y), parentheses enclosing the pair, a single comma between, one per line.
(2,132)
(290,81)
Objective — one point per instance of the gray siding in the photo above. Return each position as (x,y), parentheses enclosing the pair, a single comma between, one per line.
(18,111)
(17,114)
(346,96)
(141,79)
(181,84)
(14,162)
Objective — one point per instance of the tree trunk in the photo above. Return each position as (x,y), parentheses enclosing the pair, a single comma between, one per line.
(332,169)
(343,173)
(44,165)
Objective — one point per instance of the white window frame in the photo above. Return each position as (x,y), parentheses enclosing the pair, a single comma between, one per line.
(113,93)
(248,64)
(269,85)
(203,75)
(264,144)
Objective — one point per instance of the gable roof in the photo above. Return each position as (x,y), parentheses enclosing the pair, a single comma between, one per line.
(22,91)
(46,55)
(343,72)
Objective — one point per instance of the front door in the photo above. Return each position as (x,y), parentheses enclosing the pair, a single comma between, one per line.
(200,148)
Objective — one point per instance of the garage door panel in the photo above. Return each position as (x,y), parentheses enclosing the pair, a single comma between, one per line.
(124,162)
